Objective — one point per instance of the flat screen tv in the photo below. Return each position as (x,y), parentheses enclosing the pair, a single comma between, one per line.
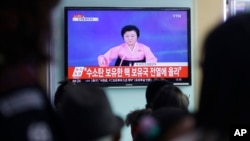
(127,46)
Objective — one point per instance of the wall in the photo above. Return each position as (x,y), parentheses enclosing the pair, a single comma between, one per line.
(124,100)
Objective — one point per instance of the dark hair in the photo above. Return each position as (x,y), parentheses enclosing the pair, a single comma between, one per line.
(168,117)
(152,89)
(157,125)
(134,117)
(170,96)
(60,92)
(130,28)
(25,31)
(88,114)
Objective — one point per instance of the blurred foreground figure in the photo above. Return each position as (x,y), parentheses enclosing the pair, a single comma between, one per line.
(25,112)
(88,114)
(224,102)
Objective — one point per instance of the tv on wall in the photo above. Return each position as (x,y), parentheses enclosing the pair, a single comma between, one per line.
(127,46)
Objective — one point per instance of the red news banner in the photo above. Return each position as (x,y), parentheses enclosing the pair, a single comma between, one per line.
(127,72)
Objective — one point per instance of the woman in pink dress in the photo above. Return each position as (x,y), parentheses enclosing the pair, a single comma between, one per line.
(129,52)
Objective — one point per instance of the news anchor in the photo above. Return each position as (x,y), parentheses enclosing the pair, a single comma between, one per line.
(129,52)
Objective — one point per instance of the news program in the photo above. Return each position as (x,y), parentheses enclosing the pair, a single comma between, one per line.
(127,46)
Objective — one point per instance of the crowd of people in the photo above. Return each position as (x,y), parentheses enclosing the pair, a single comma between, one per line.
(165,115)
(83,112)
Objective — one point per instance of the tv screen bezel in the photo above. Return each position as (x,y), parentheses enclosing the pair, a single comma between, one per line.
(184,82)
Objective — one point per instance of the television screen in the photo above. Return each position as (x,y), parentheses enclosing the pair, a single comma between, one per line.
(127,46)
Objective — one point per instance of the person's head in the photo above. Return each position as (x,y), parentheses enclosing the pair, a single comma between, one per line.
(130,34)
(133,119)
(87,113)
(224,99)
(152,89)
(170,96)
(165,124)
(60,93)
(24,31)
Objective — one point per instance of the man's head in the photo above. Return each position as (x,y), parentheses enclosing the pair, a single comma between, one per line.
(88,114)
(60,93)
(170,96)
(133,119)
(152,89)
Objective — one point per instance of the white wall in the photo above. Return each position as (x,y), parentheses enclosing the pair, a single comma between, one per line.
(123,100)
